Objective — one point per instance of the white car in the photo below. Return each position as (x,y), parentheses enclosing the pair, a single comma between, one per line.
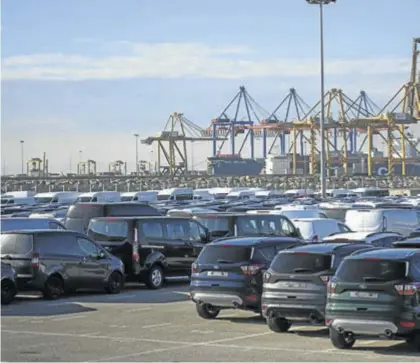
(379,239)
(316,229)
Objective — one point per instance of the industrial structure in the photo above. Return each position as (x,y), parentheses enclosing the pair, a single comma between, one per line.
(287,140)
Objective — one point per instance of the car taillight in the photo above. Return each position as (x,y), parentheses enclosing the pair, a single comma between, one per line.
(194,268)
(325,279)
(406,289)
(136,256)
(266,277)
(35,260)
(331,287)
(250,270)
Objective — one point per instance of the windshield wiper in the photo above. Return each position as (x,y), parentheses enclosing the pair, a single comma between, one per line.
(302,269)
(373,278)
(224,261)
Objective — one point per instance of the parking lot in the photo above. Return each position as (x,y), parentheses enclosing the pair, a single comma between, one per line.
(144,325)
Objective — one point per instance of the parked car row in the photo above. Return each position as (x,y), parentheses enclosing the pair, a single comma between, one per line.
(354,288)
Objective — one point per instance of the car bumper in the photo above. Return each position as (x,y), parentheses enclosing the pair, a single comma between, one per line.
(309,313)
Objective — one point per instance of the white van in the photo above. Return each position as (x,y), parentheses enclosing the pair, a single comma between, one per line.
(11,201)
(146,196)
(402,221)
(268,194)
(176,194)
(316,229)
(299,193)
(99,197)
(56,197)
(292,213)
(203,194)
(18,194)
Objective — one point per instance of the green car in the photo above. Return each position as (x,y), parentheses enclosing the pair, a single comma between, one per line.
(375,293)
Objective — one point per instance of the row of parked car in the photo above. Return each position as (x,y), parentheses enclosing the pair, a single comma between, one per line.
(355,289)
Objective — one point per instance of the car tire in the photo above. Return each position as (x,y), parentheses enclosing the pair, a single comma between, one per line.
(207,311)
(53,288)
(340,341)
(115,283)
(155,278)
(8,291)
(278,325)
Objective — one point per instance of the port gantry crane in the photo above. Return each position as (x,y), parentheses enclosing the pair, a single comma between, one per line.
(394,119)
(172,154)
(237,118)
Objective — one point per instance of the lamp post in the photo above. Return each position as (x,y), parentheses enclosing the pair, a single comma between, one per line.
(323,180)
(137,153)
(21,156)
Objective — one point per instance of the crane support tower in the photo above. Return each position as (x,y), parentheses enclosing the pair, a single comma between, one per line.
(235,119)
(172,155)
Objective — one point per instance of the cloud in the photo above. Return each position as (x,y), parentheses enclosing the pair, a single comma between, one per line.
(178,60)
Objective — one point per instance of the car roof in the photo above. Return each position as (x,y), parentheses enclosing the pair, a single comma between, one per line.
(323,248)
(110,218)
(386,253)
(253,241)
(44,231)
(358,236)
(111,203)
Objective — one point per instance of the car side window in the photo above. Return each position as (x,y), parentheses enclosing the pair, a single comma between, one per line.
(58,244)
(343,228)
(194,231)
(88,248)
(152,229)
(286,227)
(175,230)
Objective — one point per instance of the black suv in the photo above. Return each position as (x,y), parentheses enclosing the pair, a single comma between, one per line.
(151,248)
(228,273)
(375,292)
(247,225)
(54,261)
(8,284)
(79,214)
(295,285)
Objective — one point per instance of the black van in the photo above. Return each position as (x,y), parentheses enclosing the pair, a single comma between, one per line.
(151,248)
(247,225)
(79,215)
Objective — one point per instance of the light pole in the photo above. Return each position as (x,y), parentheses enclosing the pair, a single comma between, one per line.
(137,153)
(323,180)
(21,155)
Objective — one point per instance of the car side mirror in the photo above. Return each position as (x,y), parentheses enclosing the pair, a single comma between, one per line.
(101,255)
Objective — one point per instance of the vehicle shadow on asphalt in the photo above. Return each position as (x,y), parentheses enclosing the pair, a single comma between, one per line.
(23,309)
(252,319)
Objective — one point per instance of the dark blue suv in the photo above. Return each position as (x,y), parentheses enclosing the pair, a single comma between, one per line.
(228,273)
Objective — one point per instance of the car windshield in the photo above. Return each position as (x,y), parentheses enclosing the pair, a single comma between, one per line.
(369,269)
(163,197)
(43,200)
(301,262)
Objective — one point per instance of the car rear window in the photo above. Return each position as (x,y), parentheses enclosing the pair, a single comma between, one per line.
(108,230)
(16,244)
(301,262)
(365,270)
(225,253)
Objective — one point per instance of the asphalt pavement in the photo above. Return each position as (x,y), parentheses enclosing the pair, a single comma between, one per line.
(144,325)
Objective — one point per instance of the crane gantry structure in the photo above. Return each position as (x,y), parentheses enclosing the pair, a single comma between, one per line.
(352,127)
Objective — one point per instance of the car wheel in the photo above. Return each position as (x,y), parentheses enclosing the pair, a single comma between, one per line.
(341,341)
(278,325)
(207,311)
(115,283)
(8,291)
(53,288)
(155,278)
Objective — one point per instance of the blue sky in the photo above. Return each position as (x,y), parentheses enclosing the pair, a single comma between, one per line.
(74,70)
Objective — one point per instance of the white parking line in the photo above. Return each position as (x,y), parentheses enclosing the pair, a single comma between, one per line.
(137,310)
(69,317)
(155,325)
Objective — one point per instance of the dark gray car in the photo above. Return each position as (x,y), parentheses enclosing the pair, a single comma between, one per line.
(54,262)
(8,284)
(295,285)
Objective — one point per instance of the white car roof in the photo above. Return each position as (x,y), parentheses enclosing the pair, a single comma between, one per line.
(359,236)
